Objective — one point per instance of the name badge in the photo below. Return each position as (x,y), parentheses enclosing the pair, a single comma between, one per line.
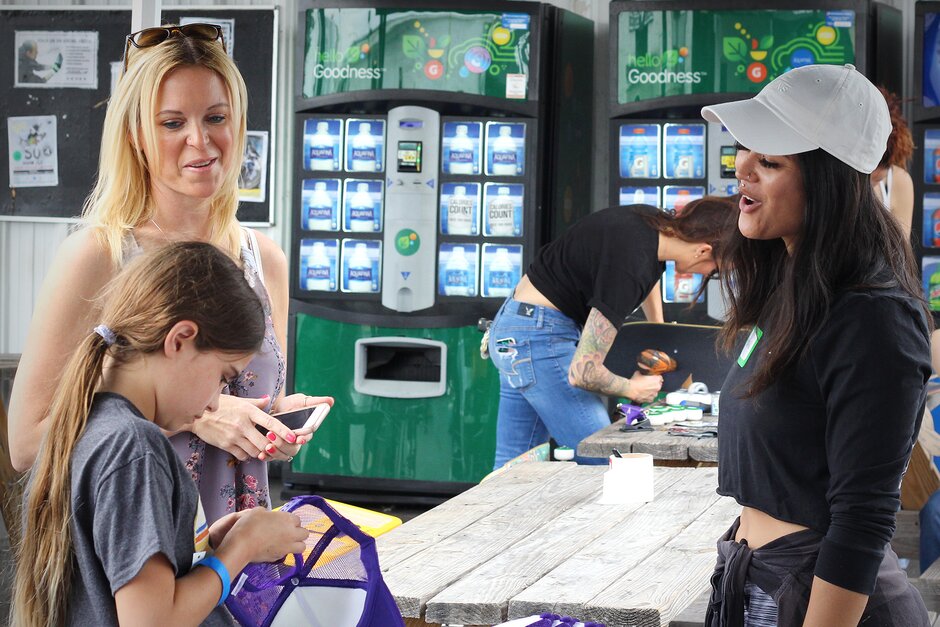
(749,346)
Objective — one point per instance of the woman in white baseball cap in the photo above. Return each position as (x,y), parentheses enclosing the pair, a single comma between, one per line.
(821,410)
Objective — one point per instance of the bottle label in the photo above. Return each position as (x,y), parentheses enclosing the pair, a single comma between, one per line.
(459,208)
(322,153)
(500,278)
(318,272)
(501,215)
(461,156)
(360,274)
(320,213)
(934,296)
(457,278)
(363,154)
(507,157)
(361,213)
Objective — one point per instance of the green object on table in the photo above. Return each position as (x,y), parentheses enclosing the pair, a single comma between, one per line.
(447,438)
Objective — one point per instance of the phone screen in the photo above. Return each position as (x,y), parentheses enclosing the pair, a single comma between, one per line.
(291,419)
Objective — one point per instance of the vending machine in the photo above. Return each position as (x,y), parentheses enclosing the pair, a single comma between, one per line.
(438,145)
(669,58)
(925,170)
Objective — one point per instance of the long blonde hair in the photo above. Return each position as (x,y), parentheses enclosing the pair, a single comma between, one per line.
(121,198)
(183,281)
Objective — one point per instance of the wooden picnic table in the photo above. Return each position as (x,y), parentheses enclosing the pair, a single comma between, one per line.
(658,443)
(535,539)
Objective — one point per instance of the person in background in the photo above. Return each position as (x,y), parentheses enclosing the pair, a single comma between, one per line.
(171,152)
(892,183)
(30,69)
(550,338)
(820,413)
(114,528)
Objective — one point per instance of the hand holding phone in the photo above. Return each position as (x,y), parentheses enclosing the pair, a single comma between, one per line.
(304,419)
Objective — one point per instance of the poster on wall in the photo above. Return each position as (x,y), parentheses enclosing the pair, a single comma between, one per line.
(254,173)
(55,59)
(32,150)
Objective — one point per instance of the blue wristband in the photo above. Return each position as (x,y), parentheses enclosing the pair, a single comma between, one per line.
(216,564)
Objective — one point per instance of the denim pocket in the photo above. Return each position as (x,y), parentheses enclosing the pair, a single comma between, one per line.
(514,361)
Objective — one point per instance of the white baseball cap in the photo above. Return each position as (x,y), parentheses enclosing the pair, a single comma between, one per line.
(815,106)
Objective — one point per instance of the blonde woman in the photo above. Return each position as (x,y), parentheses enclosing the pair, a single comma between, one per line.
(171,149)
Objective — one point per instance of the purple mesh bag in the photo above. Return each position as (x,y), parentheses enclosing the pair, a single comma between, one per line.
(335,583)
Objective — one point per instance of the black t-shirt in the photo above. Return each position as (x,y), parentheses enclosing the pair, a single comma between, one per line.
(607,260)
(826,446)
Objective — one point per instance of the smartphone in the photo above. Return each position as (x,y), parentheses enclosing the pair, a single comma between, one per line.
(298,419)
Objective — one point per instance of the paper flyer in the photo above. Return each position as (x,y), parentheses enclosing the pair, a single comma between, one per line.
(33,151)
(56,59)
(254,173)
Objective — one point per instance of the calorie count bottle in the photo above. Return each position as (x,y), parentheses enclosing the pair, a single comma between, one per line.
(460,157)
(500,213)
(460,213)
(320,209)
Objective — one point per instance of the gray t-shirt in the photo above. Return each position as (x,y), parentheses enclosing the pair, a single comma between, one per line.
(132,498)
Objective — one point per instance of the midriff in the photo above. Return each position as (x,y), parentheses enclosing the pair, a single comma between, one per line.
(759,528)
(526,293)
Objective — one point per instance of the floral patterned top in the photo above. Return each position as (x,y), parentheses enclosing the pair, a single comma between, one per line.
(225,484)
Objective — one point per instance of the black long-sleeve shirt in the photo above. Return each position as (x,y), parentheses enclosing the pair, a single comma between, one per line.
(826,446)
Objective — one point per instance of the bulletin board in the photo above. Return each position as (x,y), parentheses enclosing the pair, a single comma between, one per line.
(70,104)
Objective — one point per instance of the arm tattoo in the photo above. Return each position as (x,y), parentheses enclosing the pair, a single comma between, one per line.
(587,369)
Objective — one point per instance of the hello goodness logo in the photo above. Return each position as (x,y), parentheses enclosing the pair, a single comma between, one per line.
(336,64)
(662,68)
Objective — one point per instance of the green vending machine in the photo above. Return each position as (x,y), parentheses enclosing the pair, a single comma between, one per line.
(438,147)
(669,58)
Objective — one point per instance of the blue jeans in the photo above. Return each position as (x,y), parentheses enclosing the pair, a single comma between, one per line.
(532,347)
(930,531)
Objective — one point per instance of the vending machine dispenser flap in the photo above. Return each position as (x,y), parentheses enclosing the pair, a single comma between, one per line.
(400,367)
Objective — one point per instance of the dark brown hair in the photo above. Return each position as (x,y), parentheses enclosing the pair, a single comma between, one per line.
(708,220)
(847,241)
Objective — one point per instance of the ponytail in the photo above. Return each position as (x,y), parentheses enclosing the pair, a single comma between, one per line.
(44,554)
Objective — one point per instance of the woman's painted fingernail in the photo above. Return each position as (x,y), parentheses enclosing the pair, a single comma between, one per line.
(272,436)
(271,449)
(290,437)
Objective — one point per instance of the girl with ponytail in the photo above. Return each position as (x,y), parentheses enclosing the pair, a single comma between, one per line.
(114,527)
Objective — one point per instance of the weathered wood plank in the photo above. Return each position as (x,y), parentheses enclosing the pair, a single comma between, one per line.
(420,577)
(607,560)
(482,596)
(694,615)
(657,443)
(906,540)
(461,511)
(661,445)
(704,449)
(667,581)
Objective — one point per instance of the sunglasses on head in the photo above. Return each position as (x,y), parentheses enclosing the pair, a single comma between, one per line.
(150,37)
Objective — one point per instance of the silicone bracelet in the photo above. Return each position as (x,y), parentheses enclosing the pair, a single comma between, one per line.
(216,564)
